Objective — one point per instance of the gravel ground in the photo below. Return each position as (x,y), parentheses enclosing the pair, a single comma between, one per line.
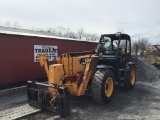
(140,103)
(13,99)
(145,71)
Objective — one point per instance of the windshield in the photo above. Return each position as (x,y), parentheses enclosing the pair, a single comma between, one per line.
(107,45)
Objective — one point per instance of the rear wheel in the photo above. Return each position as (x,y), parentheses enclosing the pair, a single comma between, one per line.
(102,88)
(130,77)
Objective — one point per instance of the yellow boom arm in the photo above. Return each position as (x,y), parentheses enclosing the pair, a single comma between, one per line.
(43,60)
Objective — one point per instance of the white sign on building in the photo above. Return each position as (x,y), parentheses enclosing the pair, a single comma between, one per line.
(50,51)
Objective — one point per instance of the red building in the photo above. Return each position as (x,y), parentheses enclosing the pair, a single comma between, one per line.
(17,54)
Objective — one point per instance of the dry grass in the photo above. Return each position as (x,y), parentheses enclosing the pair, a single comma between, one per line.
(152,58)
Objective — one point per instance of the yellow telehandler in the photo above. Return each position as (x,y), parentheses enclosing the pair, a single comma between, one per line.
(98,70)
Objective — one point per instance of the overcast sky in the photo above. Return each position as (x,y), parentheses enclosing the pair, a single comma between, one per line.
(138,18)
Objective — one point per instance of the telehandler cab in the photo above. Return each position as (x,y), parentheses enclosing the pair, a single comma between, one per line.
(98,70)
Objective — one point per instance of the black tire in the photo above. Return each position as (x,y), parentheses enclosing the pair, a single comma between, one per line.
(130,77)
(102,91)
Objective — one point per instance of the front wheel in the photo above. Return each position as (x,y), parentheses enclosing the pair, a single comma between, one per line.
(102,88)
(130,77)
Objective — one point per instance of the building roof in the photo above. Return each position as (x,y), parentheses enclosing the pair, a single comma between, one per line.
(25,32)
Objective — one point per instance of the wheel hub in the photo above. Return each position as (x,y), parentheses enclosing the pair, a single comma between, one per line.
(109,87)
(133,77)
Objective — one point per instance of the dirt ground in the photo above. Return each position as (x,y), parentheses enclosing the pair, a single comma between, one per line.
(141,103)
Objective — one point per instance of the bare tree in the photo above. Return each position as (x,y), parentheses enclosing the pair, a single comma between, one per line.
(143,43)
(49,30)
(40,30)
(87,36)
(135,47)
(94,37)
(73,35)
(32,28)
(140,46)
(67,32)
(7,24)
(60,30)
(54,31)
(80,33)
(16,25)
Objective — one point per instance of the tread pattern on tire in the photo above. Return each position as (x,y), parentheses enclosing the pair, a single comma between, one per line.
(128,71)
(96,88)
